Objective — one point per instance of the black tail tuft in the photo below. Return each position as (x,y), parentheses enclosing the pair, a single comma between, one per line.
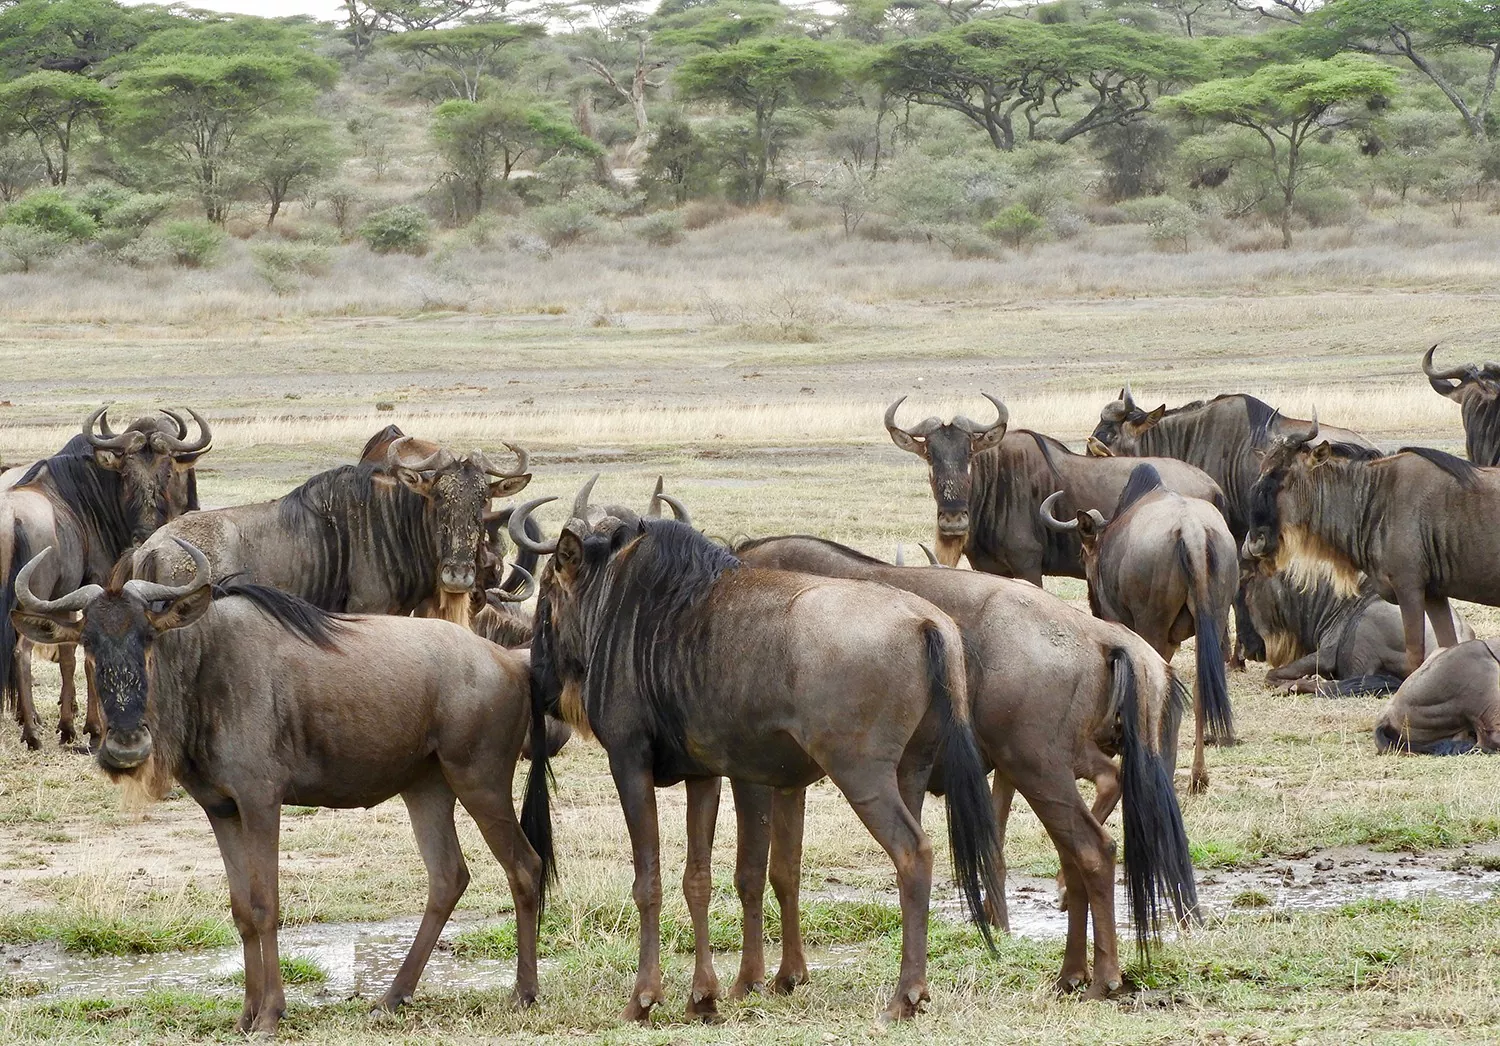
(536,808)
(10,663)
(1213,686)
(1359,686)
(1158,866)
(972,837)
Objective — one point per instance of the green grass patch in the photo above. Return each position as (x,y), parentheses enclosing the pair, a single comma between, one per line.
(1210,853)
(1250,899)
(116,936)
(295,969)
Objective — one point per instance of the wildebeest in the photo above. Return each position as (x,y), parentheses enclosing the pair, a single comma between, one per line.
(1419,523)
(988,484)
(1222,436)
(1166,567)
(1054,695)
(1448,706)
(687,666)
(103,492)
(251,699)
(356,538)
(1475,387)
(1319,640)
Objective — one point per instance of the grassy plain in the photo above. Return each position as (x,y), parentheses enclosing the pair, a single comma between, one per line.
(750,366)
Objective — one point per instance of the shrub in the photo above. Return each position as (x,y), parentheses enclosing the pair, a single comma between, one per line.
(1172,222)
(1016,226)
(564,223)
(145,251)
(305,259)
(403,228)
(1326,205)
(51,211)
(26,245)
(194,242)
(343,202)
(661,229)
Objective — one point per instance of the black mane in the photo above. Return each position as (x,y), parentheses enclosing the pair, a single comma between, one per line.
(1466,472)
(299,617)
(1143,480)
(92,492)
(1353,451)
(385,435)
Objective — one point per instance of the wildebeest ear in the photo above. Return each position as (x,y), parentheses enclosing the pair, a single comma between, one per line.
(420,482)
(1089,525)
(906,441)
(568,556)
(990,437)
(183,610)
(107,459)
(504,488)
(1321,453)
(1156,415)
(40,628)
(184,460)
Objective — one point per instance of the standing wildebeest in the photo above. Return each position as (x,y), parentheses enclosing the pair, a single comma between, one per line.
(1420,523)
(1223,437)
(689,667)
(988,485)
(102,493)
(1321,641)
(1475,387)
(1054,695)
(355,538)
(1449,706)
(1166,567)
(252,699)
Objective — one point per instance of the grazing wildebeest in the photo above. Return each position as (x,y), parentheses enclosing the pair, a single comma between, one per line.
(1054,695)
(1166,567)
(356,538)
(1475,387)
(251,699)
(988,484)
(1448,706)
(1222,436)
(689,667)
(1321,641)
(1419,523)
(102,493)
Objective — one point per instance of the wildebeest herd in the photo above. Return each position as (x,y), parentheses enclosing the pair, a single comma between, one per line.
(360,638)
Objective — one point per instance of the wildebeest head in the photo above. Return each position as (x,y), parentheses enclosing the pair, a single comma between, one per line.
(1277,492)
(457,490)
(1121,424)
(120,623)
(1475,387)
(154,459)
(949,449)
(1457,382)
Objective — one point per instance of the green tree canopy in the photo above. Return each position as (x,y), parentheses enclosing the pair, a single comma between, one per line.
(51,108)
(480,139)
(285,154)
(1285,105)
(719,24)
(74,35)
(466,54)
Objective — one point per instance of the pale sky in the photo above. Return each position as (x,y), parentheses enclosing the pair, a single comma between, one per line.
(325,9)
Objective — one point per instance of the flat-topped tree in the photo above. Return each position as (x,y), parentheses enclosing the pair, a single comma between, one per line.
(466,54)
(51,108)
(1286,105)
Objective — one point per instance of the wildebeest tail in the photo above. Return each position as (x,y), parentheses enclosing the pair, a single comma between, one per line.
(972,837)
(10,663)
(1213,686)
(1359,686)
(1158,866)
(1389,739)
(536,808)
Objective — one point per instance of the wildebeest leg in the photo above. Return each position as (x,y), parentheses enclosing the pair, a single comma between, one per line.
(260,828)
(788,807)
(229,833)
(1075,968)
(1002,794)
(752,814)
(67,664)
(1413,628)
(1441,616)
(25,706)
(697,888)
(1088,856)
(484,787)
(884,812)
(1198,783)
(93,718)
(1294,672)
(637,791)
(1106,777)
(430,806)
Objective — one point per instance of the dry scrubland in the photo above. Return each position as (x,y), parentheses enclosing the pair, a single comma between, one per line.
(750,365)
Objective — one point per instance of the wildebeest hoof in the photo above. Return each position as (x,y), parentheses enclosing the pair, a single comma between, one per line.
(389,1003)
(31,741)
(1072,981)
(639,1008)
(786,980)
(705,1009)
(906,1005)
(1104,989)
(1198,785)
(743,988)
(523,999)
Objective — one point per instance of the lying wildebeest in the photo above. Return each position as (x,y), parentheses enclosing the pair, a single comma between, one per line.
(1475,387)
(1448,706)
(1054,695)
(687,666)
(988,485)
(102,493)
(1418,522)
(356,538)
(1166,567)
(1222,436)
(1321,641)
(251,699)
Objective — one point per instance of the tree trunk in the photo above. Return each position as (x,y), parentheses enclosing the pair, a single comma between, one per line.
(583,115)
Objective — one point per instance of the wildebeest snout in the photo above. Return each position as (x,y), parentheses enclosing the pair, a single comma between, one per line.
(125,749)
(457,578)
(953,522)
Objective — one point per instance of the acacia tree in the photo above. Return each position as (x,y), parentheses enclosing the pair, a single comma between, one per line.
(73,35)
(616,48)
(51,108)
(1286,105)
(466,54)
(480,139)
(286,154)
(764,77)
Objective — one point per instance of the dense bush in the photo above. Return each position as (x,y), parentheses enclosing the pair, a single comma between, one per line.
(26,245)
(51,211)
(402,229)
(193,242)
(1016,226)
(661,229)
(567,222)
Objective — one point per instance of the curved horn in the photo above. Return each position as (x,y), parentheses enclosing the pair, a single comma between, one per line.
(528,589)
(393,457)
(900,554)
(1052,522)
(581,499)
(179,445)
(1125,396)
(181,425)
(484,463)
(1312,432)
(151,592)
(106,439)
(679,510)
(73,601)
(516,528)
(654,508)
(932,560)
(1457,373)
